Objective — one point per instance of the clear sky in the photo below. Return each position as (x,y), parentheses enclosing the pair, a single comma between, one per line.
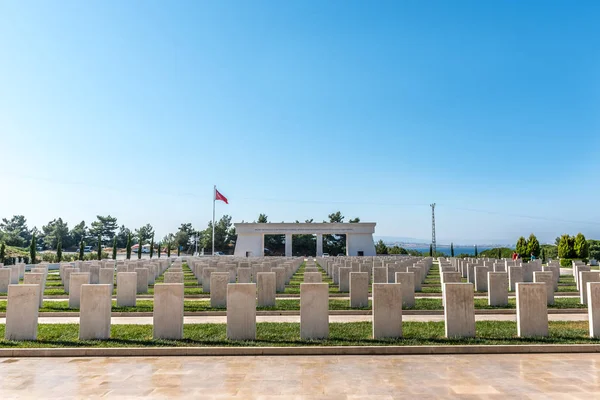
(297,109)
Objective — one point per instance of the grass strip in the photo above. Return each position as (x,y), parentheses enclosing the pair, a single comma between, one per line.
(294,305)
(288,335)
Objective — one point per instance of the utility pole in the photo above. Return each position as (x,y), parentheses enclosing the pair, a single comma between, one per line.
(433,228)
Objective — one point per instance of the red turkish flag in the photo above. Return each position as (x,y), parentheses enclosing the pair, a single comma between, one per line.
(219,196)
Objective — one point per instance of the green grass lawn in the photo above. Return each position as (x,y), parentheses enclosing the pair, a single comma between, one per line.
(294,286)
(288,334)
(293,305)
(430,289)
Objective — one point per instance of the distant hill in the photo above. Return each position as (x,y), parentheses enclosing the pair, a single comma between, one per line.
(400,239)
(414,242)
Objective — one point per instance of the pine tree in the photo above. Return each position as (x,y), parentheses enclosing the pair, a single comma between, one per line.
(129,246)
(152,245)
(380,247)
(533,246)
(115,248)
(99,247)
(566,247)
(581,247)
(476,253)
(59,250)
(451,249)
(521,247)
(431,250)
(81,246)
(32,250)
(169,249)
(2,252)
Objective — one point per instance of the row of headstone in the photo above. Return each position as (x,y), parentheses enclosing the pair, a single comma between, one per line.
(532,312)
(95,310)
(74,275)
(245,272)
(378,273)
(10,275)
(240,300)
(476,271)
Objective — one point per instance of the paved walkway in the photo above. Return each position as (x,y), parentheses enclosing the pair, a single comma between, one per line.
(296,318)
(543,376)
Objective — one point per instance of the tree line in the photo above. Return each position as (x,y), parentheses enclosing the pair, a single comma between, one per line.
(566,248)
(105,232)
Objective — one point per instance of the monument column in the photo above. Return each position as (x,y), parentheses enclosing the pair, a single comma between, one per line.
(288,244)
(319,245)
(348,253)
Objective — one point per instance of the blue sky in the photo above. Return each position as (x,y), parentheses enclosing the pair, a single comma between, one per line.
(298,109)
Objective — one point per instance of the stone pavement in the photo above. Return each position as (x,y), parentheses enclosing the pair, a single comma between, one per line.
(511,376)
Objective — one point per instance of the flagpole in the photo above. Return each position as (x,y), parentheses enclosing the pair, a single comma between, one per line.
(213,224)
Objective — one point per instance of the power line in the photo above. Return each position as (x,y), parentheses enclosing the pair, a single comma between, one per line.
(523,216)
(175,193)
(108,187)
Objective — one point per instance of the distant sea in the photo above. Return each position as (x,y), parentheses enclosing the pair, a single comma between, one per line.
(446,250)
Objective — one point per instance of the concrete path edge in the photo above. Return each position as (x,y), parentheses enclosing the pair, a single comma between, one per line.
(296,351)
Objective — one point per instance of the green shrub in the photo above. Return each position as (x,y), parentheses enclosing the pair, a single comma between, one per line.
(93,256)
(53,258)
(566,262)
(49,257)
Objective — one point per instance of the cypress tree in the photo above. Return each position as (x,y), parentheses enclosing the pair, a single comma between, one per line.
(100,247)
(129,245)
(59,250)
(32,250)
(543,255)
(451,249)
(168,249)
(499,253)
(476,254)
(81,246)
(152,245)
(2,252)
(430,250)
(158,249)
(115,248)
(140,247)
(178,250)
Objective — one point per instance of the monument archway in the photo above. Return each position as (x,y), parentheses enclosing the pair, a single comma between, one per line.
(251,236)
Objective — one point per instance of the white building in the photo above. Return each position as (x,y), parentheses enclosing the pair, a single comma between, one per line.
(251,236)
